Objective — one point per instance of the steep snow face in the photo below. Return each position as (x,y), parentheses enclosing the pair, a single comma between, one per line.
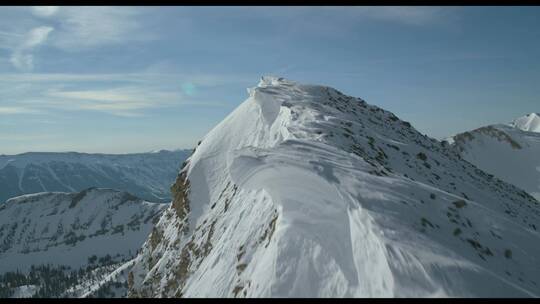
(305,192)
(69,228)
(529,122)
(147,175)
(509,153)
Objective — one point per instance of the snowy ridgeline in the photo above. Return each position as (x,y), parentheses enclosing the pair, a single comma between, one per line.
(510,152)
(147,175)
(56,243)
(304,191)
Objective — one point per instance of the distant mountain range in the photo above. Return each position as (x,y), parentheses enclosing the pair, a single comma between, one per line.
(146,175)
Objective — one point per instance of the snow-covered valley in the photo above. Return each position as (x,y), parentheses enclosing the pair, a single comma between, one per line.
(146,175)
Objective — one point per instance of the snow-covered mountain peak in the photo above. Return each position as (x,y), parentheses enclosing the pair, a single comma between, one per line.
(529,122)
(269,80)
(287,84)
(509,151)
(304,191)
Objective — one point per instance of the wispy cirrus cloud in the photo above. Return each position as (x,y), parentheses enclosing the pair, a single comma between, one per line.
(10,110)
(36,36)
(147,76)
(67,29)
(22,57)
(76,29)
(123,100)
(127,95)
(87,27)
(120,101)
(44,11)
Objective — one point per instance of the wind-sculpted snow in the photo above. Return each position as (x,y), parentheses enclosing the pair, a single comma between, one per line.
(305,192)
(147,175)
(309,198)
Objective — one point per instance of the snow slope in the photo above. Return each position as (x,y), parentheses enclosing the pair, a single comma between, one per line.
(25,291)
(111,285)
(305,192)
(69,228)
(510,152)
(147,175)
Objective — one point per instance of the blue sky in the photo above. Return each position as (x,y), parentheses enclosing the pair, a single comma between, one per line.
(135,79)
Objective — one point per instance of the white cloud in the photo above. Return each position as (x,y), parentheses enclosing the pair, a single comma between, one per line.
(88,27)
(122,101)
(15,110)
(66,77)
(146,77)
(75,28)
(44,11)
(121,94)
(22,61)
(36,36)
(22,57)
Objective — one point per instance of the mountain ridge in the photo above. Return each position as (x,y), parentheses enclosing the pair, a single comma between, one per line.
(303,191)
(510,151)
